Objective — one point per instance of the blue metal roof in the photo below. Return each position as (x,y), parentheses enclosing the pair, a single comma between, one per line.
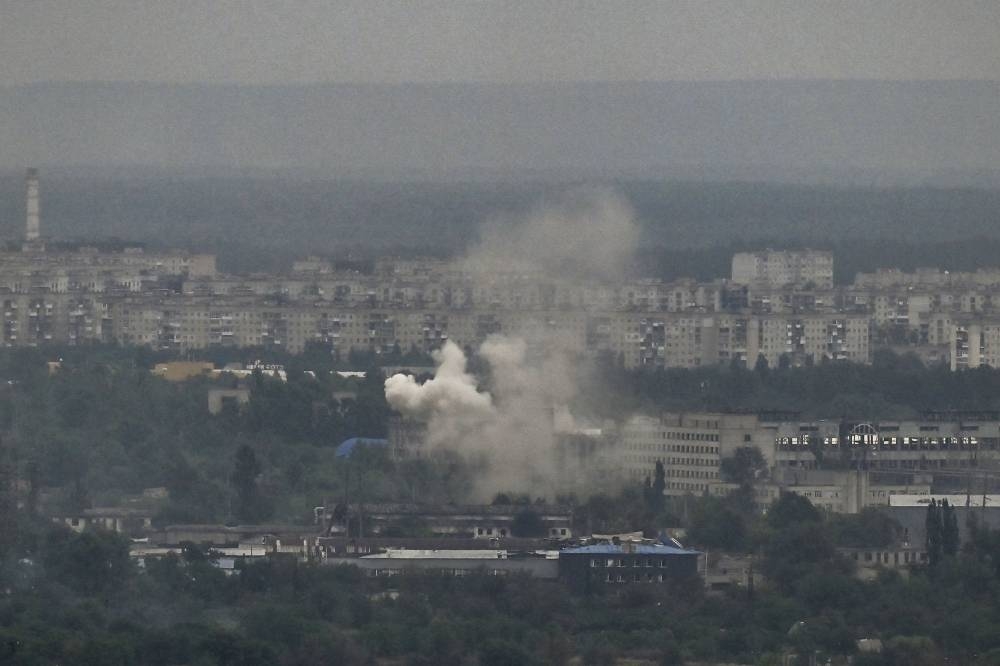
(348,445)
(637,549)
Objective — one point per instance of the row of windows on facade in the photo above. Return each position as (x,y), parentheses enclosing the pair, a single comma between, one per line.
(637,578)
(690,487)
(691,462)
(685,473)
(857,441)
(680,436)
(673,448)
(883,558)
(502,531)
(832,494)
(446,572)
(637,563)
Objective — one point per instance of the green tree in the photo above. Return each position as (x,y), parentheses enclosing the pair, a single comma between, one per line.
(934,533)
(870,528)
(505,653)
(790,509)
(93,562)
(715,525)
(796,550)
(912,651)
(653,491)
(761,368)
(659,483)
(743,466)
(949,530)
(249,503)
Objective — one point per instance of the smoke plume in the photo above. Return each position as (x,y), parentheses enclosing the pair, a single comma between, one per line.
(451,389)
(588,233)
(518,422)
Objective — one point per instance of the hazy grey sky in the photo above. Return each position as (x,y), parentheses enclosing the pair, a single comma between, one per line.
(530,40)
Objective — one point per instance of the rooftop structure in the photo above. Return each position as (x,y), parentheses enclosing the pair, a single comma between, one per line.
(628,549)
(406,554)
(348,446)
(452,563)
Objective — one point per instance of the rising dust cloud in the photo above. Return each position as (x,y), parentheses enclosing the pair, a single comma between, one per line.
(535,374)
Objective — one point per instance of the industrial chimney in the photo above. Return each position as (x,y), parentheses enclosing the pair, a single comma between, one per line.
(32,230)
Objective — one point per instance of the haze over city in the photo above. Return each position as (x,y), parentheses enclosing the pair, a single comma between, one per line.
(493,333)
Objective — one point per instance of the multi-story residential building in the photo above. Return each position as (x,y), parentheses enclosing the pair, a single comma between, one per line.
(927,277)
(784,268)
(973,341)
(781,306)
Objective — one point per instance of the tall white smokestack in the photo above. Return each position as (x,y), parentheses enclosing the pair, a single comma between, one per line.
(33,228)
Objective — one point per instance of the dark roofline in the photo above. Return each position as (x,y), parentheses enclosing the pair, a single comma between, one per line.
(457,509)
(255,529)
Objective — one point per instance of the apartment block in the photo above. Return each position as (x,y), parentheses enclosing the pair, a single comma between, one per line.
(780,268)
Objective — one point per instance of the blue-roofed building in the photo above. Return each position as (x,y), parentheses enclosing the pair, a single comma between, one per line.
(346,447)
(590,568)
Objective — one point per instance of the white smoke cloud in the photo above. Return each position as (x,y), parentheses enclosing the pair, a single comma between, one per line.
(451,390)
(588,233)
(513,428)
(516,426)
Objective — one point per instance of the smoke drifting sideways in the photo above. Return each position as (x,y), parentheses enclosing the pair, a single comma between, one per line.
(588,234)
(515,428)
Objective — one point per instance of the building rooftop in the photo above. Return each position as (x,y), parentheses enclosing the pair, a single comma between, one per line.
(637,549)
(467,510)
(405,554)
(273,528)
(347,447)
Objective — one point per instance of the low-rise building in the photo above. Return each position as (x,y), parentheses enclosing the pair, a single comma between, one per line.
(131,522)
(453,563)
(218,536)
(869,562)
(223,398)
(467,521)
(591,568)
(910,511)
